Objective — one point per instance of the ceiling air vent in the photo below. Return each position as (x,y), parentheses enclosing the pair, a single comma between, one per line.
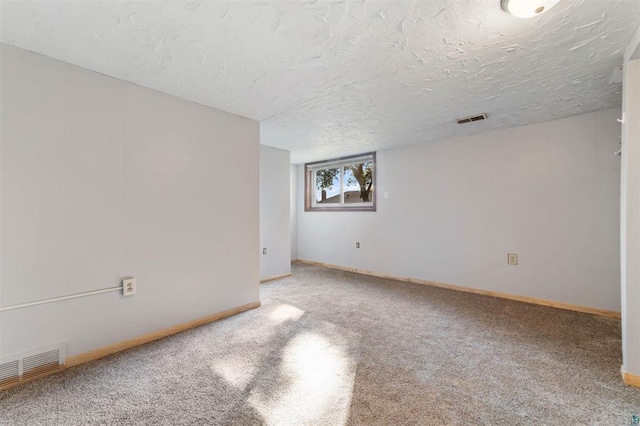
(472,119)
(23,367)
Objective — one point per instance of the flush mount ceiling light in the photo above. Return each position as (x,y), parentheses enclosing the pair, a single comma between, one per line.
(527,8)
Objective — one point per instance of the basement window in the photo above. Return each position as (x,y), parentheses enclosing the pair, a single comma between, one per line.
(346,183)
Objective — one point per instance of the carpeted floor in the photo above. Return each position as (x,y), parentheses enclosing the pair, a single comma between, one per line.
(330,348)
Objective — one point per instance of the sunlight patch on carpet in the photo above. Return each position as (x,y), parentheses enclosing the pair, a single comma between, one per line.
(284,313)
(238,368)
(315,382)
(237,371)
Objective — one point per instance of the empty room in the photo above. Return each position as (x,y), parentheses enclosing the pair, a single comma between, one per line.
(319,212)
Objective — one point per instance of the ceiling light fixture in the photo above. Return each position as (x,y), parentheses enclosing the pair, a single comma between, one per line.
(527,8)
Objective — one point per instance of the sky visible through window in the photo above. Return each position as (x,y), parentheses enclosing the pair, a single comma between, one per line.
(335,188)
(349,185)
(344,183)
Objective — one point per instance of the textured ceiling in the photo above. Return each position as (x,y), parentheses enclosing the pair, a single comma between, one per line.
(330,78)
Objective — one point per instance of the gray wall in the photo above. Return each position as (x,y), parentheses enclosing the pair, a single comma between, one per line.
(630,209)
(101,179)
(275,222)
(294,211)
(548,192)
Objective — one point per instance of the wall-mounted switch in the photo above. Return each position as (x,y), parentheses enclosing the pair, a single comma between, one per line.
(357,245)
(512,258)
(129,287)
(264,250)
(386,194)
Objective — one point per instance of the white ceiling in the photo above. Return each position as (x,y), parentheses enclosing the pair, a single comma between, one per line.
(331,78)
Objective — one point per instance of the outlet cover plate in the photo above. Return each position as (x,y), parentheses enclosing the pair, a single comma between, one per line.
(512,258)
(129,287)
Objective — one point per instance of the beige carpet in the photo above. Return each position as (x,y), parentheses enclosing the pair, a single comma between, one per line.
(331,348)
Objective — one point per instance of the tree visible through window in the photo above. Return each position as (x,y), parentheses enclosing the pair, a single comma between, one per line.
(341,184)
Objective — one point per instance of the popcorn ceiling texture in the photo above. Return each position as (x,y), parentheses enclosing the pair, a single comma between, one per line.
(328,78)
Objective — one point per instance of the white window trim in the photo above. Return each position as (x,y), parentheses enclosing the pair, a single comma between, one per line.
(312,204)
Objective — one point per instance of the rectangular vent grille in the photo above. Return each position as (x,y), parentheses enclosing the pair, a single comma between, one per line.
(472,119)
(37,365)
(9,373)
(31,365)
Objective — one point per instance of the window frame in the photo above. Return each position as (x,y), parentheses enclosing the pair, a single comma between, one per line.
(310,188)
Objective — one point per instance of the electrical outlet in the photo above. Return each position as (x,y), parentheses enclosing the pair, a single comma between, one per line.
(386,194)
(129,287)
(264,250)
(512,258)
(357,245)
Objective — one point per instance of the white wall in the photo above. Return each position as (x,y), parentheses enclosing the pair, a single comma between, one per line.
(103,179)
(294,211)
(275,231)
(630,209)
(548,192)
